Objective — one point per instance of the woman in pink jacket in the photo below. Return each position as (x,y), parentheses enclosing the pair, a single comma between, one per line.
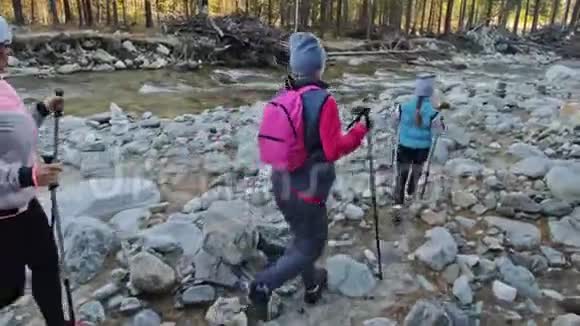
(25,236)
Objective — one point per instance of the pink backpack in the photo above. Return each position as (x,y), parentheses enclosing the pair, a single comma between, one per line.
(281,135)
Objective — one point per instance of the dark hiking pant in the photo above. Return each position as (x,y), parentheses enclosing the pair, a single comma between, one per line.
(309,226)
(409,160)
(27,240)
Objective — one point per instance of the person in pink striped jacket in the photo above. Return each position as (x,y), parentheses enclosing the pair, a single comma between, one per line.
(25,236)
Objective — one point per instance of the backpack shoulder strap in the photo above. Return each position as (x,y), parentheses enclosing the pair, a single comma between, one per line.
(308,88)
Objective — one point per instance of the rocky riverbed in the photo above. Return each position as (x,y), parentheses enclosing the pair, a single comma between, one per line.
(162,214)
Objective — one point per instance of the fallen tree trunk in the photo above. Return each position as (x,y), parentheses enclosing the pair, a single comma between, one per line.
(401,54)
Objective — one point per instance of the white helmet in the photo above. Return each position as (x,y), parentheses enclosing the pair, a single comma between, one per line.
(5,32)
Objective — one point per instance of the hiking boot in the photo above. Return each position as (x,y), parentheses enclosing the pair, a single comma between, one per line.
(311,296)
(259,308)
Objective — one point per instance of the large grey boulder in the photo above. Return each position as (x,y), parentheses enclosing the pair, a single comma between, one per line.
(558,74)
(556,207)
(147,317)
(92,312)
(520,234)
(520,202)
(427,313)
(247,156)
(226,312)
(564,183)
(128,222)
(217,163)
(150,274)
(567,320)
(519,277)
(104,198)
(379,321)
(462,290)
(439,250)
(461,167)
(229,232)
(349,277)
(524,151)
(185,235)
(567,230)
(213,269)
(199,294)
(532,167)
(87,242)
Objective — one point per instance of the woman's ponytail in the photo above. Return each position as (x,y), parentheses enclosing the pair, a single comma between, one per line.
(418,116)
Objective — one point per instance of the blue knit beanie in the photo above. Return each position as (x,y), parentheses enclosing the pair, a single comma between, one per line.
(307,56)
(424,85)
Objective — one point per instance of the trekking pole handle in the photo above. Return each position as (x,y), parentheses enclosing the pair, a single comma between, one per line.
(60,93)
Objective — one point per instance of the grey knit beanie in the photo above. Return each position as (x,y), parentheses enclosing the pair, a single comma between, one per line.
(424,85)
(307,56)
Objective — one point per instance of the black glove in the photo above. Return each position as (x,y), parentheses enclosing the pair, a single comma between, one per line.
(368,121)
(360,110)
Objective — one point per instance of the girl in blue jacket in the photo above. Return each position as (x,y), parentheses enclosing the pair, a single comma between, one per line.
(418,121)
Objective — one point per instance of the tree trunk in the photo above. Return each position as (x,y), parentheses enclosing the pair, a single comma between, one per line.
(517,18)
(53,12)
(148,14)
(463,8)
(408,16)
(555,8)
(369,18)
(108,11)
(489,12)
(423,13)
(18,14)
(158,12)
(471,20)
(416,17)
(98,17)
(526,16)
(115,13)
(68,16)
(322,20)
(448,17)
(536,16)
(296,15)
(440,18)
(32,12)
(80,11)
(502,12)
(338,17)
(396,12)
(565,18)
(431,16)
(88,12)
(269,12)
(305,13)
(124,8)
(575,13)
(345,17)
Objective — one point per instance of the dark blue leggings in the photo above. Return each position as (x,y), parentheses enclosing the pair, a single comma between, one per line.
(309,226)
(27,240)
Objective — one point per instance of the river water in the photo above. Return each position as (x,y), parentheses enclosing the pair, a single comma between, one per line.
(168,93)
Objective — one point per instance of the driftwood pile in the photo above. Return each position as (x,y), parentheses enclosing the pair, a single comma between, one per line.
(230,39)
(559,39)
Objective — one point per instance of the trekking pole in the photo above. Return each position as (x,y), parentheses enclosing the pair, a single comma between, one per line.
(56,222)
(429,159)
(365,112)
(395,150)
(374,195)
